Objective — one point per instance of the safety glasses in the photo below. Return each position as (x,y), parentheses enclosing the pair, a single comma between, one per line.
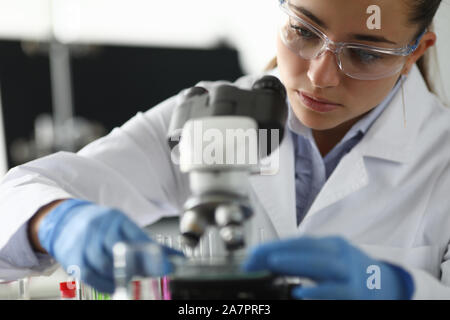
(358,61)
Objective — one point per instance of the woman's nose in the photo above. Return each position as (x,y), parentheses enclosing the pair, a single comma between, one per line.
(323,71)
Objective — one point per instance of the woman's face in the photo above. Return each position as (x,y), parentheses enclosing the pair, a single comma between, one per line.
(322,78)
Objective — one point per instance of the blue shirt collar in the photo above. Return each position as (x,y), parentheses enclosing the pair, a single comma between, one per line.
(364,124)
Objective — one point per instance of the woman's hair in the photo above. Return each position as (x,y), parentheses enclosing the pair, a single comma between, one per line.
(421,13)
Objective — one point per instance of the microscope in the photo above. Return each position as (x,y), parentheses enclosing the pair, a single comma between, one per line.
(230,120)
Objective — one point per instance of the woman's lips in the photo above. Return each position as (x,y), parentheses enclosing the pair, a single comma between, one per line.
(317,105)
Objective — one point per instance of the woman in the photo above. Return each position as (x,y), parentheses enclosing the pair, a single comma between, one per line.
(361,193)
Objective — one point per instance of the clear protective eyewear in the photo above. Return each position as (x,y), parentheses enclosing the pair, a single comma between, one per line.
(356,60)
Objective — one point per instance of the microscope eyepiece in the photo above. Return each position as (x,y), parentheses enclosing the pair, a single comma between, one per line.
(270,83)
(195,91)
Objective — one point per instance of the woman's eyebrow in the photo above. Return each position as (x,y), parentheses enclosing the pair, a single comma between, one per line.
(372,38)
(310,15)
(360,37)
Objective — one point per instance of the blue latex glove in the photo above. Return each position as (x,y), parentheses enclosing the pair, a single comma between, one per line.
(80,233)
(339,269)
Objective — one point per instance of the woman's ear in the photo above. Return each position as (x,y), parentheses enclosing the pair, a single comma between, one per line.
(428,40)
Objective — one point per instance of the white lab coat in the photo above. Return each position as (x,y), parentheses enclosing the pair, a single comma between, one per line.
(389,195)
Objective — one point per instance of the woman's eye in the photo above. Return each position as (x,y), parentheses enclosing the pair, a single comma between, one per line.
(365,55)
(304,33)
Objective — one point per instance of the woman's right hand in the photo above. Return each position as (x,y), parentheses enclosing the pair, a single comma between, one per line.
(83,234)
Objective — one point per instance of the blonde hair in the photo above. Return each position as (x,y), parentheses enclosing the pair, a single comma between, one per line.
(272,64)
(428,65)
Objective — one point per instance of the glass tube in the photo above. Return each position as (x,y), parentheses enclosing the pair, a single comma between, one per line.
(135,270)
(261,236)
(165,291)
(120,273)
(24,290)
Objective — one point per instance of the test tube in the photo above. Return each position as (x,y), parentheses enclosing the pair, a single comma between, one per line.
(129,259)
(152,287)
(197,250)
(158,281)
(168,241)
(180,246)
(159,238)
(165,279)
(24,290)
(187,250)
(261,235)
(120,273)
(205,247)
(211,243)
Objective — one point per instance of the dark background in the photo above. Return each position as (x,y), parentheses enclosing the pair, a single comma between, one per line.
(110,84)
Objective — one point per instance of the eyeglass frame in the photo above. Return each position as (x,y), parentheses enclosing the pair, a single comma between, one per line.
(403,51)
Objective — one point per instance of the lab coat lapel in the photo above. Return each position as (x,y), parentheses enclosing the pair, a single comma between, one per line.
(276,192)
(393,135)
(348,177)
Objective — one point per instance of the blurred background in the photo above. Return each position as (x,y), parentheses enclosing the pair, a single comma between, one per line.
(71,70)
(82,67)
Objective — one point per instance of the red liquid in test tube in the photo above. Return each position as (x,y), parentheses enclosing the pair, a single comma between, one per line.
(165,280)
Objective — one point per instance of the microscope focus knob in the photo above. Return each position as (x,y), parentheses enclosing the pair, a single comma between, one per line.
(192,227)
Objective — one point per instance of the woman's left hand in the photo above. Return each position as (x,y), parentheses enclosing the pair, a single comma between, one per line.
(340,270)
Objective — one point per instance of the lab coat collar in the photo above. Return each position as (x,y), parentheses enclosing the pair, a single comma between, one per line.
(390,138)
